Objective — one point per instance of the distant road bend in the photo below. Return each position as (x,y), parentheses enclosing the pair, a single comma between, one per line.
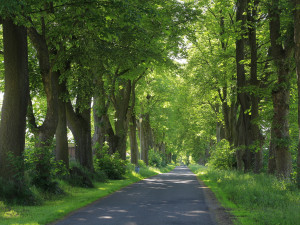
(171,198)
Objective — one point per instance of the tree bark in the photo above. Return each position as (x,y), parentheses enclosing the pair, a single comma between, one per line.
(45,133)
(280,95)
(132,128)
(297,60)
(145,137)
(103,130)
(121,104)
(272,158)
(80,125)
(13,115)
(62,151)
(255,130)
(243,154)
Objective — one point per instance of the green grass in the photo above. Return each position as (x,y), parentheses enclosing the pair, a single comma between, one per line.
(253,198)
(75,198)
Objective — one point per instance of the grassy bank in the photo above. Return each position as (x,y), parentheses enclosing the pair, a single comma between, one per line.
(253,199)
(56,207)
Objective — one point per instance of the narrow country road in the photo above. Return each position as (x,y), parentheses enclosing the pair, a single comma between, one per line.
(171,198)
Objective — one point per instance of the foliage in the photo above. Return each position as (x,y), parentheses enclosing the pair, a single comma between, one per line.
(156,159)
(142,164)
(79,176)
(222,156)
(253,199)
(42,168)
(112,165)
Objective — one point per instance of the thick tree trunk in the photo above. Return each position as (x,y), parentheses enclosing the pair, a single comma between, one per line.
(62,151)
(297,59)
(103,130)
(45,133)
(132,128)
(13,115)
(280,96)
(121,103)
(80,125)
(145,137)
(244,156)
(255,131)
(272,158)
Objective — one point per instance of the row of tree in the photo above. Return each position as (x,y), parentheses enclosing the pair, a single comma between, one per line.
(64,59)
(106,70)
(243,62)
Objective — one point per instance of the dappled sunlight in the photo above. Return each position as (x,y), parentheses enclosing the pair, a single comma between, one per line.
(105,217)
(172,198)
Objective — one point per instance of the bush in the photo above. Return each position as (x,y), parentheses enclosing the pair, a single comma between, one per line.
(156,159)
(80,177)
(16,192)
(112,165)
(142,164)
(43,169)
(223,156)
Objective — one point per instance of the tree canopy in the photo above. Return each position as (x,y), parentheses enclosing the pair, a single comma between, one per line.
(213,82)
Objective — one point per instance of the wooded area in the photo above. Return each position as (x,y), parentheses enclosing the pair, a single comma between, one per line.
(215,82)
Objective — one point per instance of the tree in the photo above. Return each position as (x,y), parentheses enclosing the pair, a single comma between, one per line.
(13,116)
(297,59)
(281,54)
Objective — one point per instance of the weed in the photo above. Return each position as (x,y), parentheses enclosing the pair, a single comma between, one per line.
(254,198)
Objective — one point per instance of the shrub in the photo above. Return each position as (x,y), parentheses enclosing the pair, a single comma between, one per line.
(43,169)
(112,165)
(142,164)
(16,193)
(223,156)
(16,189)
(79,176)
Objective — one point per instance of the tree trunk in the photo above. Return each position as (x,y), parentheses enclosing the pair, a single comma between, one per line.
(62,151)
(13,115)
(280,96)
(80,125)
(255,131)
(45,133)
(132,128)
(244,156)
(103,130)
(122,100)
(272,158)
(145,136)
(297,59)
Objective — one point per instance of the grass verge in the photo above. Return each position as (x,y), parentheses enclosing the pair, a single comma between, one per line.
(254,199)
(58,206)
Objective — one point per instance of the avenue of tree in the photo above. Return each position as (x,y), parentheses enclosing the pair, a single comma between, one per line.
(109,71)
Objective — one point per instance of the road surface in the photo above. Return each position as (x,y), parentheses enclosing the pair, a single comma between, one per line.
(170,198)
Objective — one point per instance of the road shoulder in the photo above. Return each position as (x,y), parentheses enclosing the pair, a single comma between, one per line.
(222,215)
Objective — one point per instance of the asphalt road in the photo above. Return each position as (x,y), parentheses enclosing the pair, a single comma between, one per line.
(170,198)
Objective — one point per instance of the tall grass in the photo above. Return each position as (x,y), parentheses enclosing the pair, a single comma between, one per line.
(254,198)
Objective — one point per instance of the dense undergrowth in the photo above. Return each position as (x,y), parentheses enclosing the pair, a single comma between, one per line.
(52,206)
(253,198)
